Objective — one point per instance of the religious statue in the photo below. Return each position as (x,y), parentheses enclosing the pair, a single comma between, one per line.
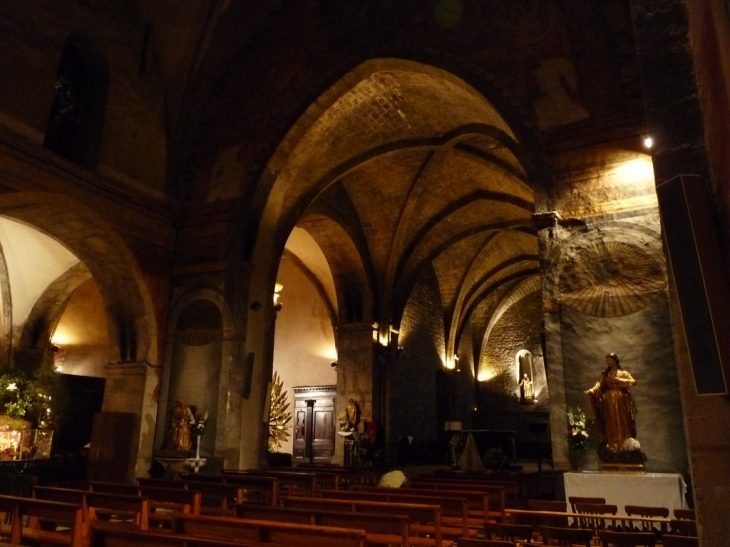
(615,413)
(353,413)
(527,392)
(180,427)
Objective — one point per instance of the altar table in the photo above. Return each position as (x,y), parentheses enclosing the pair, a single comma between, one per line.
(621,489)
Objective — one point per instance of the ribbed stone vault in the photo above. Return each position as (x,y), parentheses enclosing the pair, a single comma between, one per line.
(410,168)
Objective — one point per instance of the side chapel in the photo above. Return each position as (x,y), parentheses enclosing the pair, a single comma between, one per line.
(446,211)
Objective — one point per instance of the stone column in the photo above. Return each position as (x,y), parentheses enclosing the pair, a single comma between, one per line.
(354,375)
(674,114)
(132,387)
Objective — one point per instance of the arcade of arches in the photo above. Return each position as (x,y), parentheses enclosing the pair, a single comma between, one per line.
(450,197)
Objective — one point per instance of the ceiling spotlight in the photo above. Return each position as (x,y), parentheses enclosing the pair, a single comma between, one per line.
(648,142)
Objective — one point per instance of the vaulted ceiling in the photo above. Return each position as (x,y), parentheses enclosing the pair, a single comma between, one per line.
(402,136)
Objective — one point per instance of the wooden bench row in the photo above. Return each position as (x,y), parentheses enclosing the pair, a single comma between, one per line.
(27,518)
(251,488)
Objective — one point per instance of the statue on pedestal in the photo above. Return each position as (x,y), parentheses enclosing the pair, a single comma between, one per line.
(615,414)
(527,392)
(180,438)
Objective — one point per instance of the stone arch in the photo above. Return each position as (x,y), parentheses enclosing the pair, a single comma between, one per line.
(310,161)
(38,328)
(285,190)
(343,251)
(132,325)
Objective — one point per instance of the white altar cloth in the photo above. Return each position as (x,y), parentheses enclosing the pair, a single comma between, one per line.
(621,489)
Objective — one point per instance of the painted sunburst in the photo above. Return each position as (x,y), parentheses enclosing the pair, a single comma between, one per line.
(610,279)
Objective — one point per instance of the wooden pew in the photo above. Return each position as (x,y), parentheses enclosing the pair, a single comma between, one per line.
(477,501)
(118,509)
(454,510)
(160,483)
(164,502)
(201,477)
(218,498)
(514,485)
(256,489)
(290,482)
(281,533)
(381,528)
(48,522)
(498,495)
(424,519)
(345,476)
(106,537)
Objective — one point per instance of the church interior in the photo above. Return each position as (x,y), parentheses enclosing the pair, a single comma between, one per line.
(411,218)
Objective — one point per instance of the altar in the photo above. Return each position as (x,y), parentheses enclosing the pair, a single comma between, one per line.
(621,489)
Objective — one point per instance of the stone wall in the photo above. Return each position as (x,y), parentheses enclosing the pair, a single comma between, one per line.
(642,341)
(606,292)
(414,374)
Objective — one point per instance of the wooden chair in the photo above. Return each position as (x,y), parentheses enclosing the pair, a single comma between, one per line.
(685,514)
(611,538)
(645,511)
(509,532)
(552,535)
(681,527)
(591,516)
(669,540)
(580,499)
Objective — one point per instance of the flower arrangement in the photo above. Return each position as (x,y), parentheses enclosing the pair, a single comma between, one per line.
(577,429)
(343,422)
(631,444)
(197,421)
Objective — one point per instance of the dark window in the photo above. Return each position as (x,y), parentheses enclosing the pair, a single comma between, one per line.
(76,122)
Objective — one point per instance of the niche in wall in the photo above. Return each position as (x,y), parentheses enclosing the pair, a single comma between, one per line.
(196,364)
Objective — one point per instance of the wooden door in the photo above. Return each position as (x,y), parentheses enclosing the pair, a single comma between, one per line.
(110,451)
(314,424)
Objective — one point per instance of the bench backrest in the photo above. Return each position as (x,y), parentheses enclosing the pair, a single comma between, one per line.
(111,537)
(160,483)
(226,528)
(450,506)
(175,499)
(114,506)
(118,507)
(256,488)
(373,523)
(290,482)
(476,500)
(28,516)
(416,513)
(222,496)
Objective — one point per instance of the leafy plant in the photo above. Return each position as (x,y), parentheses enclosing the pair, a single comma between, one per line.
(36,399)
